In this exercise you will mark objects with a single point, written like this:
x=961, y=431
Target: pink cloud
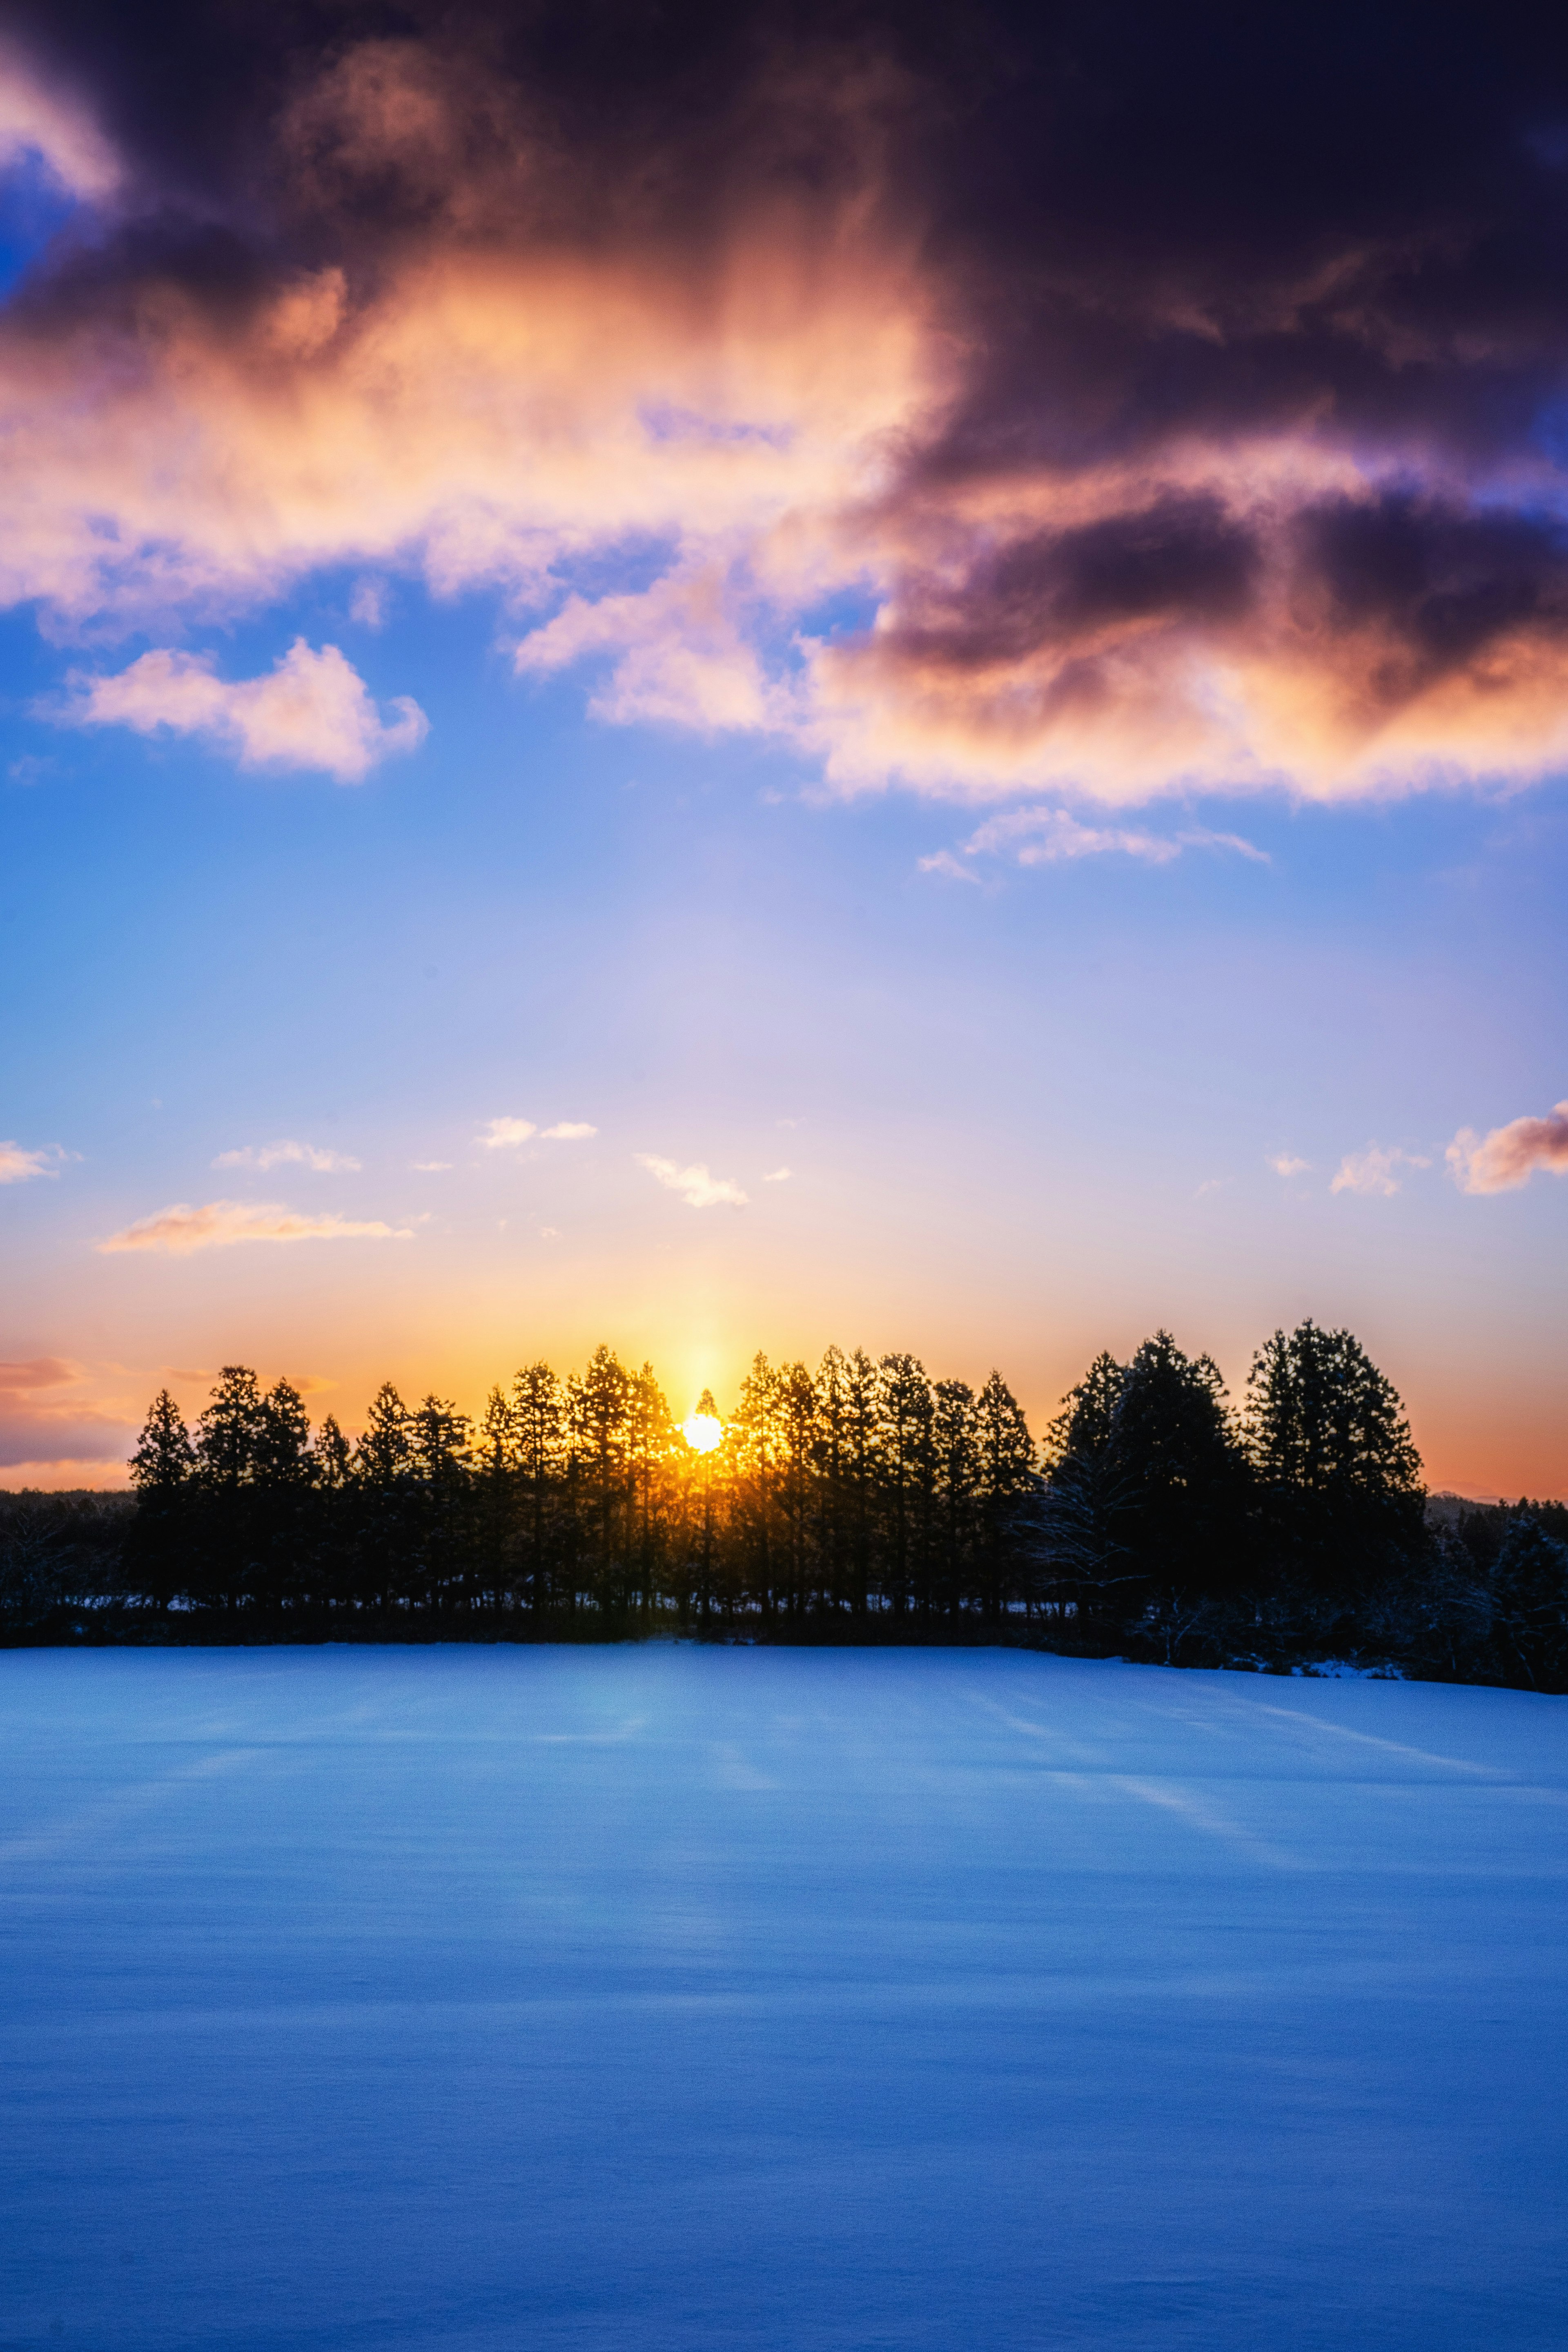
x=1509, y=1156
x=18, y=1165
x=312, y=710
x=218, y=1225
x=53, y=1430
x=39, y=118
x=1374, y=1173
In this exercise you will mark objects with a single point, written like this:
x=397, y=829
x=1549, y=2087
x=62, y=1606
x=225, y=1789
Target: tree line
x=860, y=1501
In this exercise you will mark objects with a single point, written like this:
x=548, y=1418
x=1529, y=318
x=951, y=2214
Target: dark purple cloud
x=1188, y=385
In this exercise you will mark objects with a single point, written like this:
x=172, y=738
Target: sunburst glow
x=702, y=1432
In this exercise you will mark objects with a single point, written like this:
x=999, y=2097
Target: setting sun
x=702, y=1432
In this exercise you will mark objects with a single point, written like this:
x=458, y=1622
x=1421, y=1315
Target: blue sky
x=1006, y=805
x=1023, y=1117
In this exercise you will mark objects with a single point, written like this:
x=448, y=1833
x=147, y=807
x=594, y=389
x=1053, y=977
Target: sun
x=702, y=1432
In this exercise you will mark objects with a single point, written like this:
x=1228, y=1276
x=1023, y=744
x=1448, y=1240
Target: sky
x=744, y=676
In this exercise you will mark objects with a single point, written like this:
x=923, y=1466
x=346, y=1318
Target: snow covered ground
x=673, y=1999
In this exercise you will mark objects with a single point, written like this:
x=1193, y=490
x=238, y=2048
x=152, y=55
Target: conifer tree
x=164, y=1460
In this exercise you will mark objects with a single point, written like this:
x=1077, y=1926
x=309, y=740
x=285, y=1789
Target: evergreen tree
x=165, y=1459
x=231, y=1431
x=539, y=1424
x=955, y=1440
x=906, y=1456
x=162, y=1470
x=1338, y=1477
x=1005, y=1489
x=1173, y=1439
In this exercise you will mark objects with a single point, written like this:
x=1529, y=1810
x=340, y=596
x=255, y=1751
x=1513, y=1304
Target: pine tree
x=539, y=1422
x=162, y=1471
x=229, y=1433
x=1005, y=1487
x=165, y=1459
x=1330, y=1449
x=955, y=1436
x=905, y=1453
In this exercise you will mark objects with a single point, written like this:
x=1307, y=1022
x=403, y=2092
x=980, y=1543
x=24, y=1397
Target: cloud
x=1046, y=836
x=1372, y=1171
x=778, y=1176
x=40, y=119
x=311, y=710
x=1286, y=1163
x=696, y=1187
x=18, y=1166
x=942, y=861
x=1010, y=404
x=37, y=1372
x=279, y=1155
x=219, y=1223
x=54, y=1429
x=370, y=603
x=1509, y=1156
x=431, y=1167
x=502, y=1133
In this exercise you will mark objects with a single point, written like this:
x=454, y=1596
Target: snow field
x=749, y=2000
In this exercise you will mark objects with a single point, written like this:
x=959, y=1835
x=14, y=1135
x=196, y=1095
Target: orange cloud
x=1508, y=1157
x=220, y=1224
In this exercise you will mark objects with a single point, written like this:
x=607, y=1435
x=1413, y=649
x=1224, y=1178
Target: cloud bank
x=1508, y=1157
x=218, y=1225
x=1085, y=403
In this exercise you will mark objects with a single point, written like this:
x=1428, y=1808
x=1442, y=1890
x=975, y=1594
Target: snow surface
x=553, y=1999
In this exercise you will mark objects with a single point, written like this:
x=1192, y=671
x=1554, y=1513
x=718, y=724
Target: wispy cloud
x=696, y=1187
x=501, y=1133
x=53, y=1429
x=1371, y=1172
x=287, y=1154
x=430, y=1167
x=37, y=1372
x=19, y=1166
x=1043, y=835
x=218, y=1225
x=1509, y=1156
x=312, y=710
x=778, y=1176
x=1286, y=1163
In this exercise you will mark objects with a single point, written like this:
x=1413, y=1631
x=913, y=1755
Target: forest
x=862, y=1502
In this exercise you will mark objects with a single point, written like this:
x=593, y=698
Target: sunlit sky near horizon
x=479, y=659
